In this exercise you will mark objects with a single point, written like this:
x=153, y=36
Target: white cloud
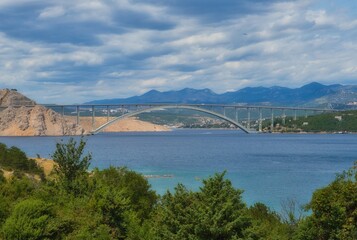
x=290, y=43
x=52, y=12
x=201, y=39
x=84, y=58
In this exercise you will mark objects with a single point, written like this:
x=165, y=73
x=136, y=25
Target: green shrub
x=71, y=165
x=334, y=210
x=15, y=159
x=31, y=219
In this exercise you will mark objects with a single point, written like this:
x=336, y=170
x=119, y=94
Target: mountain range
x=311, y=95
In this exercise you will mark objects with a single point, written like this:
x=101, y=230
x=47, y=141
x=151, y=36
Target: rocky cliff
x=13, y=98
x=20, y=116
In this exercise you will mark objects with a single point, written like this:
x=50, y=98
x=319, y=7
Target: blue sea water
x=270, y=168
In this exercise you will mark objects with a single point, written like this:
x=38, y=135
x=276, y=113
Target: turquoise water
x=270, y=168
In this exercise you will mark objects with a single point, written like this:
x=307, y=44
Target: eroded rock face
x=30, y=119
x=36, y=121
x=13, y=98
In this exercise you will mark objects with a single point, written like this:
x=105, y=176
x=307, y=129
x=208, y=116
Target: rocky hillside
x=20, y=116
x=13, y=98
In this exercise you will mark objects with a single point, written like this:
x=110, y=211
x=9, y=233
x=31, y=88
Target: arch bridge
x=249, y=119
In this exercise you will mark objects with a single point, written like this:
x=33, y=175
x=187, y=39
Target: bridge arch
x=150, y=109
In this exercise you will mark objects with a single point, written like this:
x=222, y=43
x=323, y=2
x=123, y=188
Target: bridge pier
x=260, y=120
x=248, y=120
x=283, y=117
x=272, y=120
x=77, y=109
x=62, y=111
x=93, y=117
x=236, y=114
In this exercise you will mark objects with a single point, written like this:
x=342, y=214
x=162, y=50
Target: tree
x=32, y=219
x=132, y=185
x=70, y=165
x=222, y=213
x=267, y=224
x=334, y=210
x=215, y=212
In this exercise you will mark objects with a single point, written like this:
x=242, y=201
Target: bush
x=334, y=210
x=31, y=219
x=2, y=178
x=215, y=212
x=15, y=159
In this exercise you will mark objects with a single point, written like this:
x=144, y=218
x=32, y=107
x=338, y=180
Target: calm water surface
x=269, y=167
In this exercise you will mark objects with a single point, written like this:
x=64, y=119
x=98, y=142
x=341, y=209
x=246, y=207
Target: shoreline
x=177, y=129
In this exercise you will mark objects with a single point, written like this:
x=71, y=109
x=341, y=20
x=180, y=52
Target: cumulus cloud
x=119, y=48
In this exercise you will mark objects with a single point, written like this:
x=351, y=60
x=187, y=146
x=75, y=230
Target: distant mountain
x=187, y=95
x=313, y=95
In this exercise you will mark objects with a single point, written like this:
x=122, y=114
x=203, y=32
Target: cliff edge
x=14, y=98
x=20, y=116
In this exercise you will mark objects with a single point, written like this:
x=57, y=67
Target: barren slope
x=35, y=121
x=124, y=125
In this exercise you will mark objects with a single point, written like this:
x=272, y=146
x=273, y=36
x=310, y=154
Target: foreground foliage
x=334, y=210
x=117, y=203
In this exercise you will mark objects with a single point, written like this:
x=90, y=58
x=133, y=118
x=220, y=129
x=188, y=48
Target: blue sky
x=67, y=51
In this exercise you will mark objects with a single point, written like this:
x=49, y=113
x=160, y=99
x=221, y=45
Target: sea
x=270, y=168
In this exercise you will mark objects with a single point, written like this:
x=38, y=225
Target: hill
x=335, y=122
x=310, y=95
x=22, y=117
x=345, y=121
x=13, y=98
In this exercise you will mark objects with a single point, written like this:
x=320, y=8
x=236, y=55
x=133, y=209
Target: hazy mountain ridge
x=313, y=94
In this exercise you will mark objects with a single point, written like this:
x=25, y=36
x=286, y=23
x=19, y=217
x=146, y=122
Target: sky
x=73, y=51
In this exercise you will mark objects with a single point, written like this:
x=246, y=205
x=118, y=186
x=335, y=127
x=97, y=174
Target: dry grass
x=46, y=164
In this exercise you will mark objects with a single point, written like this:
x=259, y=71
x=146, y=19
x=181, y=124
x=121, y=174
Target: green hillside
x=344, y=121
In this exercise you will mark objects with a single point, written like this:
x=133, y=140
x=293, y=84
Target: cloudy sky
x=72, y=51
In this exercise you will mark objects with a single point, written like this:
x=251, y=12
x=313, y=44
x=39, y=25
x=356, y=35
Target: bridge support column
x=93, y=116
x=283, y=117
x=272, y=121
x=248, y=120
x=77, y=109
x=260, y=120
x=236, y=114
x=224, y=111
x=62, y=111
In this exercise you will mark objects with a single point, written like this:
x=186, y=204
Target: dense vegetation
x=13, y=159
x=117, y=203
x=345, y=121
